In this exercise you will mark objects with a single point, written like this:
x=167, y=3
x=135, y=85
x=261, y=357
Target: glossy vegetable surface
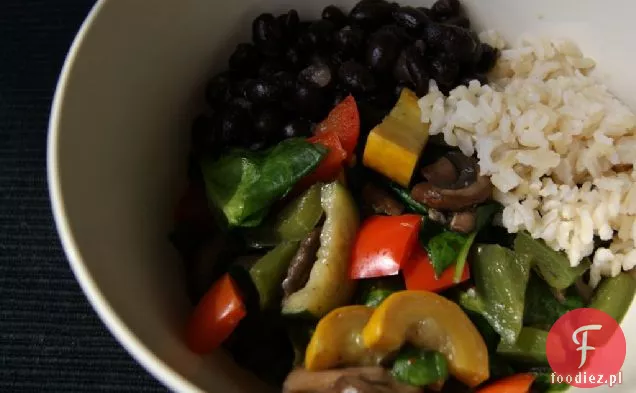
x=244, y=184
x=614, y=295
x=553, y=266
x=393, y=147
x=500, y=278
x=331, y=165
x=419, y=367
x=383, y=244
x=429, y=321
x=530, y=347
x=292, y=223
x=329, y=285
x=216, y=316
x=269, y=271
x=344, y=121
x=419, y=273
x=337, y=341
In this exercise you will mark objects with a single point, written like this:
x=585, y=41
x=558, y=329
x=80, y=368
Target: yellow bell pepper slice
x=430, y=321
x=337, y=341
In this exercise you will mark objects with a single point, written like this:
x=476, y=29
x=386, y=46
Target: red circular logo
x=586, y=348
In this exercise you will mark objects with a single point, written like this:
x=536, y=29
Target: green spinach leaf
x=419, y=367
x=244, y=184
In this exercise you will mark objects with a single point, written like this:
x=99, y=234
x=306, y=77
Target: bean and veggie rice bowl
x=385, y=200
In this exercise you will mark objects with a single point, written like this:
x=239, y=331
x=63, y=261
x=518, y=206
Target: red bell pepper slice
x=383, y=245
x=216, y=316
x=419, y=274
x=344, y=121
x=518, y=383
x=330, y=166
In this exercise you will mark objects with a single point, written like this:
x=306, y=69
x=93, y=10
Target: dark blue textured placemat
x=50, y=338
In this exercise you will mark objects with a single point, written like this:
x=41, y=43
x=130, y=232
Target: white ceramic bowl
x=119, y=130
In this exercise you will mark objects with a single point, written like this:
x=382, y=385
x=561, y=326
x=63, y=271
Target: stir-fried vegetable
x=292, y=223
x=419, y=273
x=614, y=295
x=529, y=348
x=394, y=146
x=500, y=278
x=268, y=272
x=244, y=184
x=383, y=245
x=329, y=285
x=337, y=342
x=330, y=167
x=519, y=383
x=216, y=316
x=372, y=292
x=430, y=321
x=419, y=367
x=542, y=309
x=406, y=198
x=343, y=121
x=551, y=265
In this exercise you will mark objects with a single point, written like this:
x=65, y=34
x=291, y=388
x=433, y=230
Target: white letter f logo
x=584, y=347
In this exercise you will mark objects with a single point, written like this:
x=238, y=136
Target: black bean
x=217, y=89
x=349, y=39
x=446, y=8
x=425, y=11
x=400, y=70
x=203, y=136
x=420, y=46
x=444, y=70
x=382, y=50
x=237, y=89
x=459, y=20
x=398, y=31
x=285, y=80
x=233, y=125
x=320, y=34
x=356, y=77
x=318, y=75
x=294, y=57
x=410, y=18
x=268, y=123
x=434, y=34
x=488, y=59
x=297, y=128
x=262, y=91
x=241, y=102
x=267, y=34
x=289, y=24
x=371, y=14
x=456, y=42
x=309, y=101
x=270, y=67
x=244, y=59
x=410, y=69
x=334, y=15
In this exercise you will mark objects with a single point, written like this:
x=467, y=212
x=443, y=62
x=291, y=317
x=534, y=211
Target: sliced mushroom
x=380, y=201
x=463, y=221
x=437, y=216
x=349, y=380
x=467, y=190
x=442, y=172
x=301, y=264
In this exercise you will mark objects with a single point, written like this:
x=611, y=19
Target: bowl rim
x=109, y=317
